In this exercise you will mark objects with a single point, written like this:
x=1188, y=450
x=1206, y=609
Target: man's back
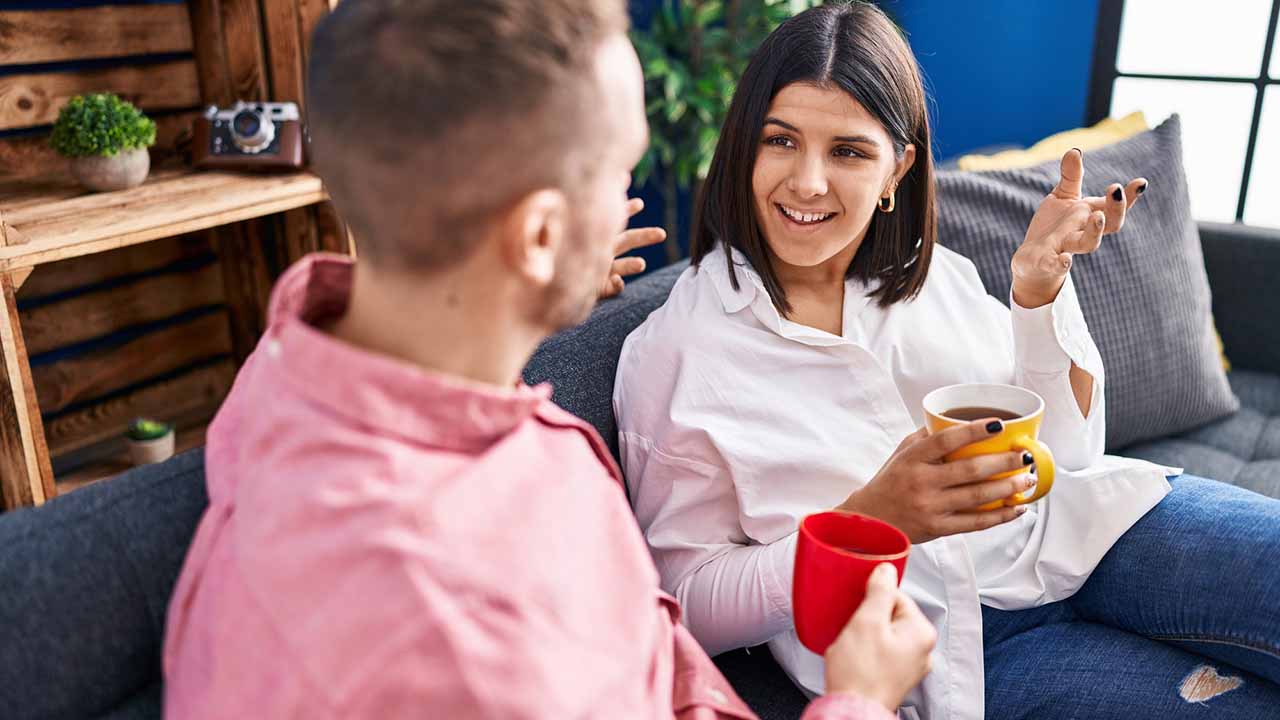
x=381, y=540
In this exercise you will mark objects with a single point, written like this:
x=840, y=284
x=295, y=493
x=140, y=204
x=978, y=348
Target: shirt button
x=273, y=348
x=717, y=696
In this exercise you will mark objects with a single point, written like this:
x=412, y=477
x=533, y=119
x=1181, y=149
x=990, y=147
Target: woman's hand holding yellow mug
x=926, y=497
x=1066, y=224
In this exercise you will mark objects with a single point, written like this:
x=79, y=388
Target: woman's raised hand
x=924, y=496
x=1066, y=224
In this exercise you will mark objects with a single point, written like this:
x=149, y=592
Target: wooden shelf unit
x=55, y=221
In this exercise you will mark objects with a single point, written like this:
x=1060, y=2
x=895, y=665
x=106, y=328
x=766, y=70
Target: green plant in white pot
x=106, y=139
x=150, y=441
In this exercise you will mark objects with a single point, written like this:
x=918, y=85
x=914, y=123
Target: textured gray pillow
x=1144, y=292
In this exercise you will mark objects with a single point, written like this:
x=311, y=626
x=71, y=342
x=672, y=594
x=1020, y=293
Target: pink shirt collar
x=396, y=397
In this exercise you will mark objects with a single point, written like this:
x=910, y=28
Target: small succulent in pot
x=150, y=441
x=106, y=139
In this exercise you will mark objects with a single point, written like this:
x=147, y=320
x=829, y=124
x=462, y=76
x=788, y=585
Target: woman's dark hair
x=853, y=47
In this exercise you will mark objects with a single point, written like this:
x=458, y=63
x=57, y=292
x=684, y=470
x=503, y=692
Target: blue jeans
x=1180, y=620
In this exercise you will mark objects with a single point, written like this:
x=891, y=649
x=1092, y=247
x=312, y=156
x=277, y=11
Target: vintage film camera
x=248, y=135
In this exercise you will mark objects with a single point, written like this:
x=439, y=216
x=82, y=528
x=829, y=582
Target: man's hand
x=884, y=649
x=629, y=240
x=1066, y=224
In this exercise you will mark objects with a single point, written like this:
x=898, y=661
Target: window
x=1218, y=66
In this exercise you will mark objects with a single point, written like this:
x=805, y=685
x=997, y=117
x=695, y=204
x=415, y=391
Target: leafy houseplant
x=150, y=441
x=106, y=139
x=693, y=54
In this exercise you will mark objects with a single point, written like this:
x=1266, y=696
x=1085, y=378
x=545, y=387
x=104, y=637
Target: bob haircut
x=855, y=48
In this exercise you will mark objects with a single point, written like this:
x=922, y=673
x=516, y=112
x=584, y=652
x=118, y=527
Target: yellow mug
x=959, y=404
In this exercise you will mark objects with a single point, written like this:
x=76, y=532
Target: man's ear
x=532, y=235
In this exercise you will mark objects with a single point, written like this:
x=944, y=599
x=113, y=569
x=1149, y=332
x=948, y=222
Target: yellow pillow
x=1053, y=147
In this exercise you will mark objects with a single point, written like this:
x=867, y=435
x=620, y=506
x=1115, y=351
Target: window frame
x=1103, y=76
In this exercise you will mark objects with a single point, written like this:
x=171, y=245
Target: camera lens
x=246, y=124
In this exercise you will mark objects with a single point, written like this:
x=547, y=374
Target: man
x=397, y=526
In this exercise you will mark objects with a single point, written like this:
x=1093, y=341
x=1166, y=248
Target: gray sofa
x=87, y=577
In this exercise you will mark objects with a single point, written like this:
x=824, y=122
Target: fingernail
x=887, y=571
x=1079, y=151
x=1118, y=194
x=1027, y=458
x=1029, y=483
x=1142, y=188
x=995, y=426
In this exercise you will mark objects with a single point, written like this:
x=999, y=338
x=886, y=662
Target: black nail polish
x=995, y=426
x=1028, y=458
x=1142, y=188
x=1079, y=151
x=1118, y=194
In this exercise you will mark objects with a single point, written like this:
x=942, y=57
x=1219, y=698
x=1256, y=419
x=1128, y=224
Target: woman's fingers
x=1134, y=190
x=964, y=522
x=628, y=266
x=1071, y=176
x=933, y=448
x=1084, y=239
x=975, y=495
x=981, y=467
x=634, y=205
x=638, y=237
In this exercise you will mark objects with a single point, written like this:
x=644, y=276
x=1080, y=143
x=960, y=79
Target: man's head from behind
x=498, y=132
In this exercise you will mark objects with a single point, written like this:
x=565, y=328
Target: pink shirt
x=382, y=542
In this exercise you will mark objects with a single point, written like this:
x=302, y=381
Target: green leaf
x=708, y=12
x=100, y=124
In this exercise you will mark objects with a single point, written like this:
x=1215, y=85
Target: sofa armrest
x=1243, y=263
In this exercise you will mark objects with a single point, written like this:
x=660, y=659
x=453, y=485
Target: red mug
x=835, y=555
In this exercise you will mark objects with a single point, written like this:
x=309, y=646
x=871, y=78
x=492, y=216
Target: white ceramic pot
x=119, y=172
x=145, y=452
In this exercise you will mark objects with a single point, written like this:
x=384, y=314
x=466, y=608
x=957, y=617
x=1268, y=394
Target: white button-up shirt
x=736, y=422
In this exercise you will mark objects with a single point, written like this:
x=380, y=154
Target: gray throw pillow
x=1145, y=293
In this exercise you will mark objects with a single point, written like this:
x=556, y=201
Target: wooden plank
x=40, y=36
x=103, y=267
x=242, y=34
x=30, y=157
x=284, y=49
x=247, y=279
x=199, y=391
x=211, y=52
x=170, y=205
x=26, y=477
x=97, y=314
x=29, y=100
x=66, y=382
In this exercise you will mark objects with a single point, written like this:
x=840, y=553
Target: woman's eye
x=847, y=152
x=779, y=141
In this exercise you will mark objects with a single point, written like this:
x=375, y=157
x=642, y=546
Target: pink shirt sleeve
x=846, y=706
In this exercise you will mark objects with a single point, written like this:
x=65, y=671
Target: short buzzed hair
x=428, y=116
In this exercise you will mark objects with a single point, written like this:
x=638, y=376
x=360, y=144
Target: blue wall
x=1001, y=71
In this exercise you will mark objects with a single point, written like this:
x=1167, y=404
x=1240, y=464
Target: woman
x=785, y=375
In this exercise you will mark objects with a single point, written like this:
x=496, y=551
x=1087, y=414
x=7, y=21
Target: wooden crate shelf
x=46, y=222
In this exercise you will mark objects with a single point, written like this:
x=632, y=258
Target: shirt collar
x=716, y=263
x=752, y=293
x=372, y=390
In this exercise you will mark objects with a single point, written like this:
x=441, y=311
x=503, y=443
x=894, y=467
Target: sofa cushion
x=581, y=362
x=1243, y=449
x=1145, y=293
x=90, y=575
x=762, y=684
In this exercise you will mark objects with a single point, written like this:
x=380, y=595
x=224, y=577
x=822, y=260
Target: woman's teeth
x=803, y=217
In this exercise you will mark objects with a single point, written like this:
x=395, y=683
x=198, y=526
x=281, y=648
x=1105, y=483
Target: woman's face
x=823, y=164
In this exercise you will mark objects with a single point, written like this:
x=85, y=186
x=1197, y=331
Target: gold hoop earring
x=887, y=203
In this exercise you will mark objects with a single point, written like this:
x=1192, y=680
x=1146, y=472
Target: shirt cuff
x=846, y=706
x=780, y=572
x=1049, y=338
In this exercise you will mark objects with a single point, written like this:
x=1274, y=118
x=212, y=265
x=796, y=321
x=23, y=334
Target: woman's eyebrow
x=839, y=138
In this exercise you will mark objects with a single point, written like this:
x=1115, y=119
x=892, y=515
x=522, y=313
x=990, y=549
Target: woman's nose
x=808, y=177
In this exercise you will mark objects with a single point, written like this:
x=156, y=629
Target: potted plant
x=106, y=139
x=693, y=53
x=150, y=441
